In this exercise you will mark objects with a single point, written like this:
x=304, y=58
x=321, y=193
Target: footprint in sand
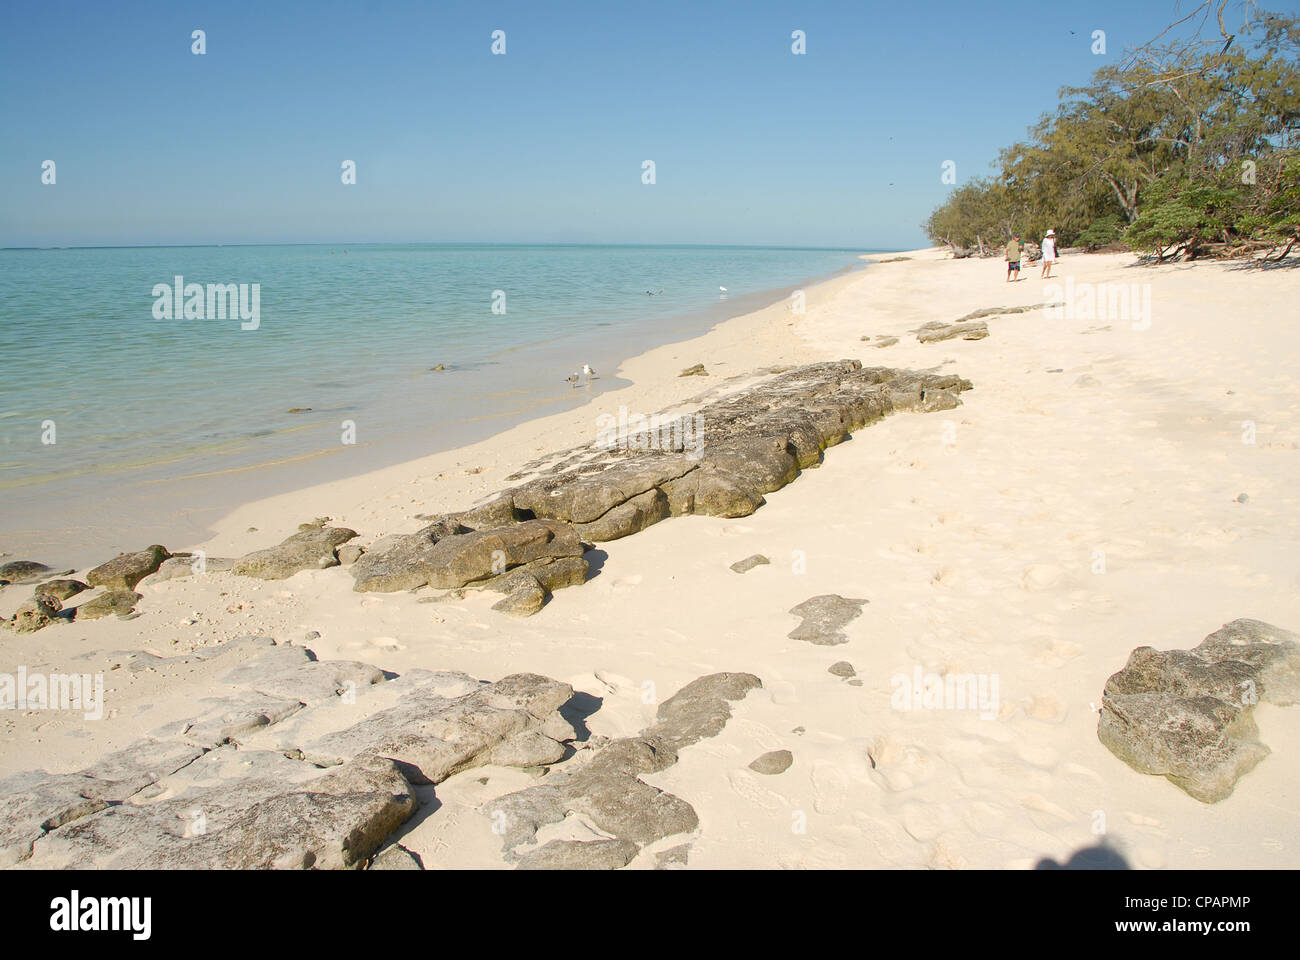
x=925, y=821
x=746, y=785
x=1041, y=576
x=830, y=787
x=736, y=529
x=1045, y=708
x=386, y=643
x=628, y=582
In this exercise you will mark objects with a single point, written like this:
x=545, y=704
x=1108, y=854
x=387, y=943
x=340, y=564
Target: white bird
x=588, y=372
x=723, y=289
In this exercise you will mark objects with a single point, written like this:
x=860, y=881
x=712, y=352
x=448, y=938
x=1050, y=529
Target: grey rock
x=34, y=802
x=607, y=791
x=445, y=559
x=525, y=599
x=293, y=673
x=35, y=614
x=824, y=618
x=842, y=668
x=308, y=549
x=119, y=602
x=695, y=371
x=395, y=857
x=60, y=589
x=1187, y=715
x=335, y=821
x=226, y=719
x=24, y=571
x=951, y=331
x=186, y=565
x=885, y=342
x=402, y=563
x=701, y=708
x=749, y=563
x=124, y=571
x=997, y=311
x=772, y=763
x=580, y=855
x=432, y=736
x=349, y=554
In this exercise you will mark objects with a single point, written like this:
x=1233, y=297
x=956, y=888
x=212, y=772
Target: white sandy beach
x=1082, y=501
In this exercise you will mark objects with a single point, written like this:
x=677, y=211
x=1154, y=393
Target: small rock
x=349, y=554
x=842, y=668
x=120, y=602
x=60, y=589
x=1242, y=498
x=749, y=563
x=773, y=762
x=823, y=618
x=695, y=371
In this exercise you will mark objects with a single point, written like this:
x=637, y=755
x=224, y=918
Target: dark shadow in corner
x=595, y=558
x=1101, y=857
x=577, y=709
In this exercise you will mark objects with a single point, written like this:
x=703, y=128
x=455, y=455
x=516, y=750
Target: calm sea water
x=136, y=403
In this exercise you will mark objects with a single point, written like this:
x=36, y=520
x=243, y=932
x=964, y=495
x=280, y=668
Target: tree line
x=1187, y=148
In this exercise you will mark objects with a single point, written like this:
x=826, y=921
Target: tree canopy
x=1188, y=147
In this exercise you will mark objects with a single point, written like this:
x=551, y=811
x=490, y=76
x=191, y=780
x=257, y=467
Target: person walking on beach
x=1013, y=259
x=1049, y=253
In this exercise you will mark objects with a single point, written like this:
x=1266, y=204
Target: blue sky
x=752, y=144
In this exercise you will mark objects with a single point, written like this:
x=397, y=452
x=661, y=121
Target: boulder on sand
x=309, y=549
x=1188, y=715
x=124, y=571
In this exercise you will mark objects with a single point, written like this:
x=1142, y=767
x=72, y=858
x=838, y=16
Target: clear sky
x=841, y=146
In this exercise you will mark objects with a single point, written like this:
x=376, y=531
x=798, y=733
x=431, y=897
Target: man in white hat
x=1049, y=253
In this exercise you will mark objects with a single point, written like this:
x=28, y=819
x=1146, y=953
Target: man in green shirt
x=1013, y=259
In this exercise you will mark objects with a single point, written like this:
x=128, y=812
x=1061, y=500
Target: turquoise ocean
x=121, y=425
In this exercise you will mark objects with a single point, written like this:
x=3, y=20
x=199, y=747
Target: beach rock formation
x=239, y=786
x=824, y=618
x=519, y=560
x=1187, y=715
x=312, y=548
x=934, y=332
x=694, y=371
x=744, y=446
x=124, y=571
x=606, y=791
